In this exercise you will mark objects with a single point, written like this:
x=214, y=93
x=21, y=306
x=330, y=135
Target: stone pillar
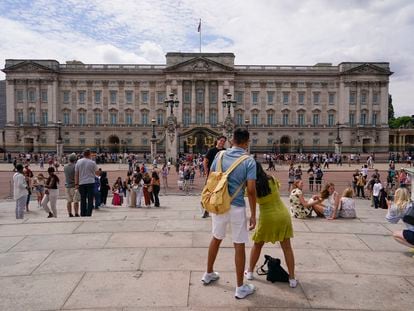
x=193, y=102
x=10, y=102
x=179, y=110
x=219, y=105
x=207, y=102
x=38, y=111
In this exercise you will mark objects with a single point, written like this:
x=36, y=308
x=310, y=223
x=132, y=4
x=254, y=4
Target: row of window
x=31, y=96
x=239, y=118
x=239, y=97
x=145, y=141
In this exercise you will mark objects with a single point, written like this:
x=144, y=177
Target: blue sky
x=281, y=32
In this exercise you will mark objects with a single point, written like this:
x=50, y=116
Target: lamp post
x=153, y=141
x=246, y=123
x=59, y=141
x=338, y=142
x=171, y=102
x=171, y=135
x=228, y=103
x=228, y=125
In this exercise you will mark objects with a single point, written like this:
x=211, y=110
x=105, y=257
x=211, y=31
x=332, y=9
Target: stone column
x=53, y=101
x=38, y=102
x=219, y=105
x=193, y=102
x=137, y=112
x=207, y=102
x=10, y=101
x=179, y=110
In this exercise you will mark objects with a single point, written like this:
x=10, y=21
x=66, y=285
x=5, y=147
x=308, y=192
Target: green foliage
x=404, y=121
x=390, y=108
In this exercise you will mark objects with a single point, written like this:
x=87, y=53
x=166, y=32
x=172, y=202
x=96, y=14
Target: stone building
x=110, y=107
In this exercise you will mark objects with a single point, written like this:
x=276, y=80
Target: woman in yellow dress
x=275, y=224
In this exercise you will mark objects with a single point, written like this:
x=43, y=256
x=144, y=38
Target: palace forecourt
x=153, y=259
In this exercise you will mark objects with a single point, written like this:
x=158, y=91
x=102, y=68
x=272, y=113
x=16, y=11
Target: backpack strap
x=231, y=168
x=261, y=270
x=236, y=163
x=219, y=158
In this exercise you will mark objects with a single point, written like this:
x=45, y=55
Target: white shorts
x=70, y=195
x=238, y=220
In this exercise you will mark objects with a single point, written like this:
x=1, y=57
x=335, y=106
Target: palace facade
x=113, y=107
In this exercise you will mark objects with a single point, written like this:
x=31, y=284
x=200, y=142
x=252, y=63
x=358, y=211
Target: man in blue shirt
x=245, y=173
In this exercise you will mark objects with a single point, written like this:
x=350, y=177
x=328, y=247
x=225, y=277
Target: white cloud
x=258, y=32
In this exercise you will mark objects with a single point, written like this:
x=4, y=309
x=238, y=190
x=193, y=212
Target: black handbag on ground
x=274, y=272
x=409, y=216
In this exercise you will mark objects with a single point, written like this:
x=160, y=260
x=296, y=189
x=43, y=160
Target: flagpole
x=200, y=34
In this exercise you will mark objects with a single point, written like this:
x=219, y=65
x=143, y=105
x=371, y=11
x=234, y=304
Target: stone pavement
x=153, y=259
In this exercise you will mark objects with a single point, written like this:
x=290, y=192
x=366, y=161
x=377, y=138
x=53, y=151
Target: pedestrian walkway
x=153, y=259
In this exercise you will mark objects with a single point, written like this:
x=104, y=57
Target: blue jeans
x=86, y=192
x=98, y=200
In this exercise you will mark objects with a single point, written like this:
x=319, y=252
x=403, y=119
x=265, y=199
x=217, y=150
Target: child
x=116, y=199
x=347, y=204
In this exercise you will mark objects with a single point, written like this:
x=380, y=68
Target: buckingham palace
x=123, y=107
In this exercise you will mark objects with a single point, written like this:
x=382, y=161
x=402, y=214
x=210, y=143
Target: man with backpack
x=209, y=158
x=243, y=173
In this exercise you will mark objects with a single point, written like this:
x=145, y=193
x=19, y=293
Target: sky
x=258, y=32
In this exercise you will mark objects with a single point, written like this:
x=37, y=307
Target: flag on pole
x=199, y=26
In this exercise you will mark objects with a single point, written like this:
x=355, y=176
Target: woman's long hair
x=401, y=198
x=262, y=182
x=325, y=191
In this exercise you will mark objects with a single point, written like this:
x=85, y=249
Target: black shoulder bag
x=274, y=272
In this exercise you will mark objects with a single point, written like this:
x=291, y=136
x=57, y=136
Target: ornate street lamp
x=171, y=102
x=228, y=103
x=154, y=140
x=59, y=141
x=338, y=141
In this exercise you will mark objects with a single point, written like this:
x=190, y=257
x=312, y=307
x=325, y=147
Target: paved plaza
x=153, y=259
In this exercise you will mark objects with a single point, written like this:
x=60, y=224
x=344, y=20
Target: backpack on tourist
x=215, y=197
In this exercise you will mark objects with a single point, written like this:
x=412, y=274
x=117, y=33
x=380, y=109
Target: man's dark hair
x=19, y=167
x=241, y=136
x=86, y=152
x=220, y=137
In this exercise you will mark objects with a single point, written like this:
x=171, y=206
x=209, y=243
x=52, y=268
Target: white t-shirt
x=376, y=189
x=19, y=186
x=87, y=169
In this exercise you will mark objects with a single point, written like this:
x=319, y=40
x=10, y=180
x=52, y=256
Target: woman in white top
x=396, y=211
x=346, y=205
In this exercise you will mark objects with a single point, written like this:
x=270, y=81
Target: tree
x=404, y=121
x=390, y=108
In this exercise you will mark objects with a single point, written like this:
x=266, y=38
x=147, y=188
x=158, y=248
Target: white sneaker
x=249, y=275
x=293, y=283
x=244, y=291
x=210, y=277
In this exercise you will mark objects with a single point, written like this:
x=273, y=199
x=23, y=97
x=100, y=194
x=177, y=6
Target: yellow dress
x=274, y=223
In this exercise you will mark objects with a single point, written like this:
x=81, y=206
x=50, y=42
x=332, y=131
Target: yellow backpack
x=215, y=197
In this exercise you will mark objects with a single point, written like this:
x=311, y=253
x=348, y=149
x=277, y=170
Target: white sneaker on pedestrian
x=210, y=277
x=293, y=283
x=249, y=275
x=244, y=291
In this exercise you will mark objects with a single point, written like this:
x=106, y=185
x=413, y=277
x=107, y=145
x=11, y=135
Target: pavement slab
x=128, y=289
x=192, y=259
x=36, y=292
x=343, y=226
x=382, y=243
x=150, y=239
x=91, y=260
x=221, y=294
x=62, y=241
x=8, y=242
x=36, y=229
x=22, y=263
x=357, y=292
x=117, y=226
x=379, y=263
x=327, y=241
x=124, y=259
